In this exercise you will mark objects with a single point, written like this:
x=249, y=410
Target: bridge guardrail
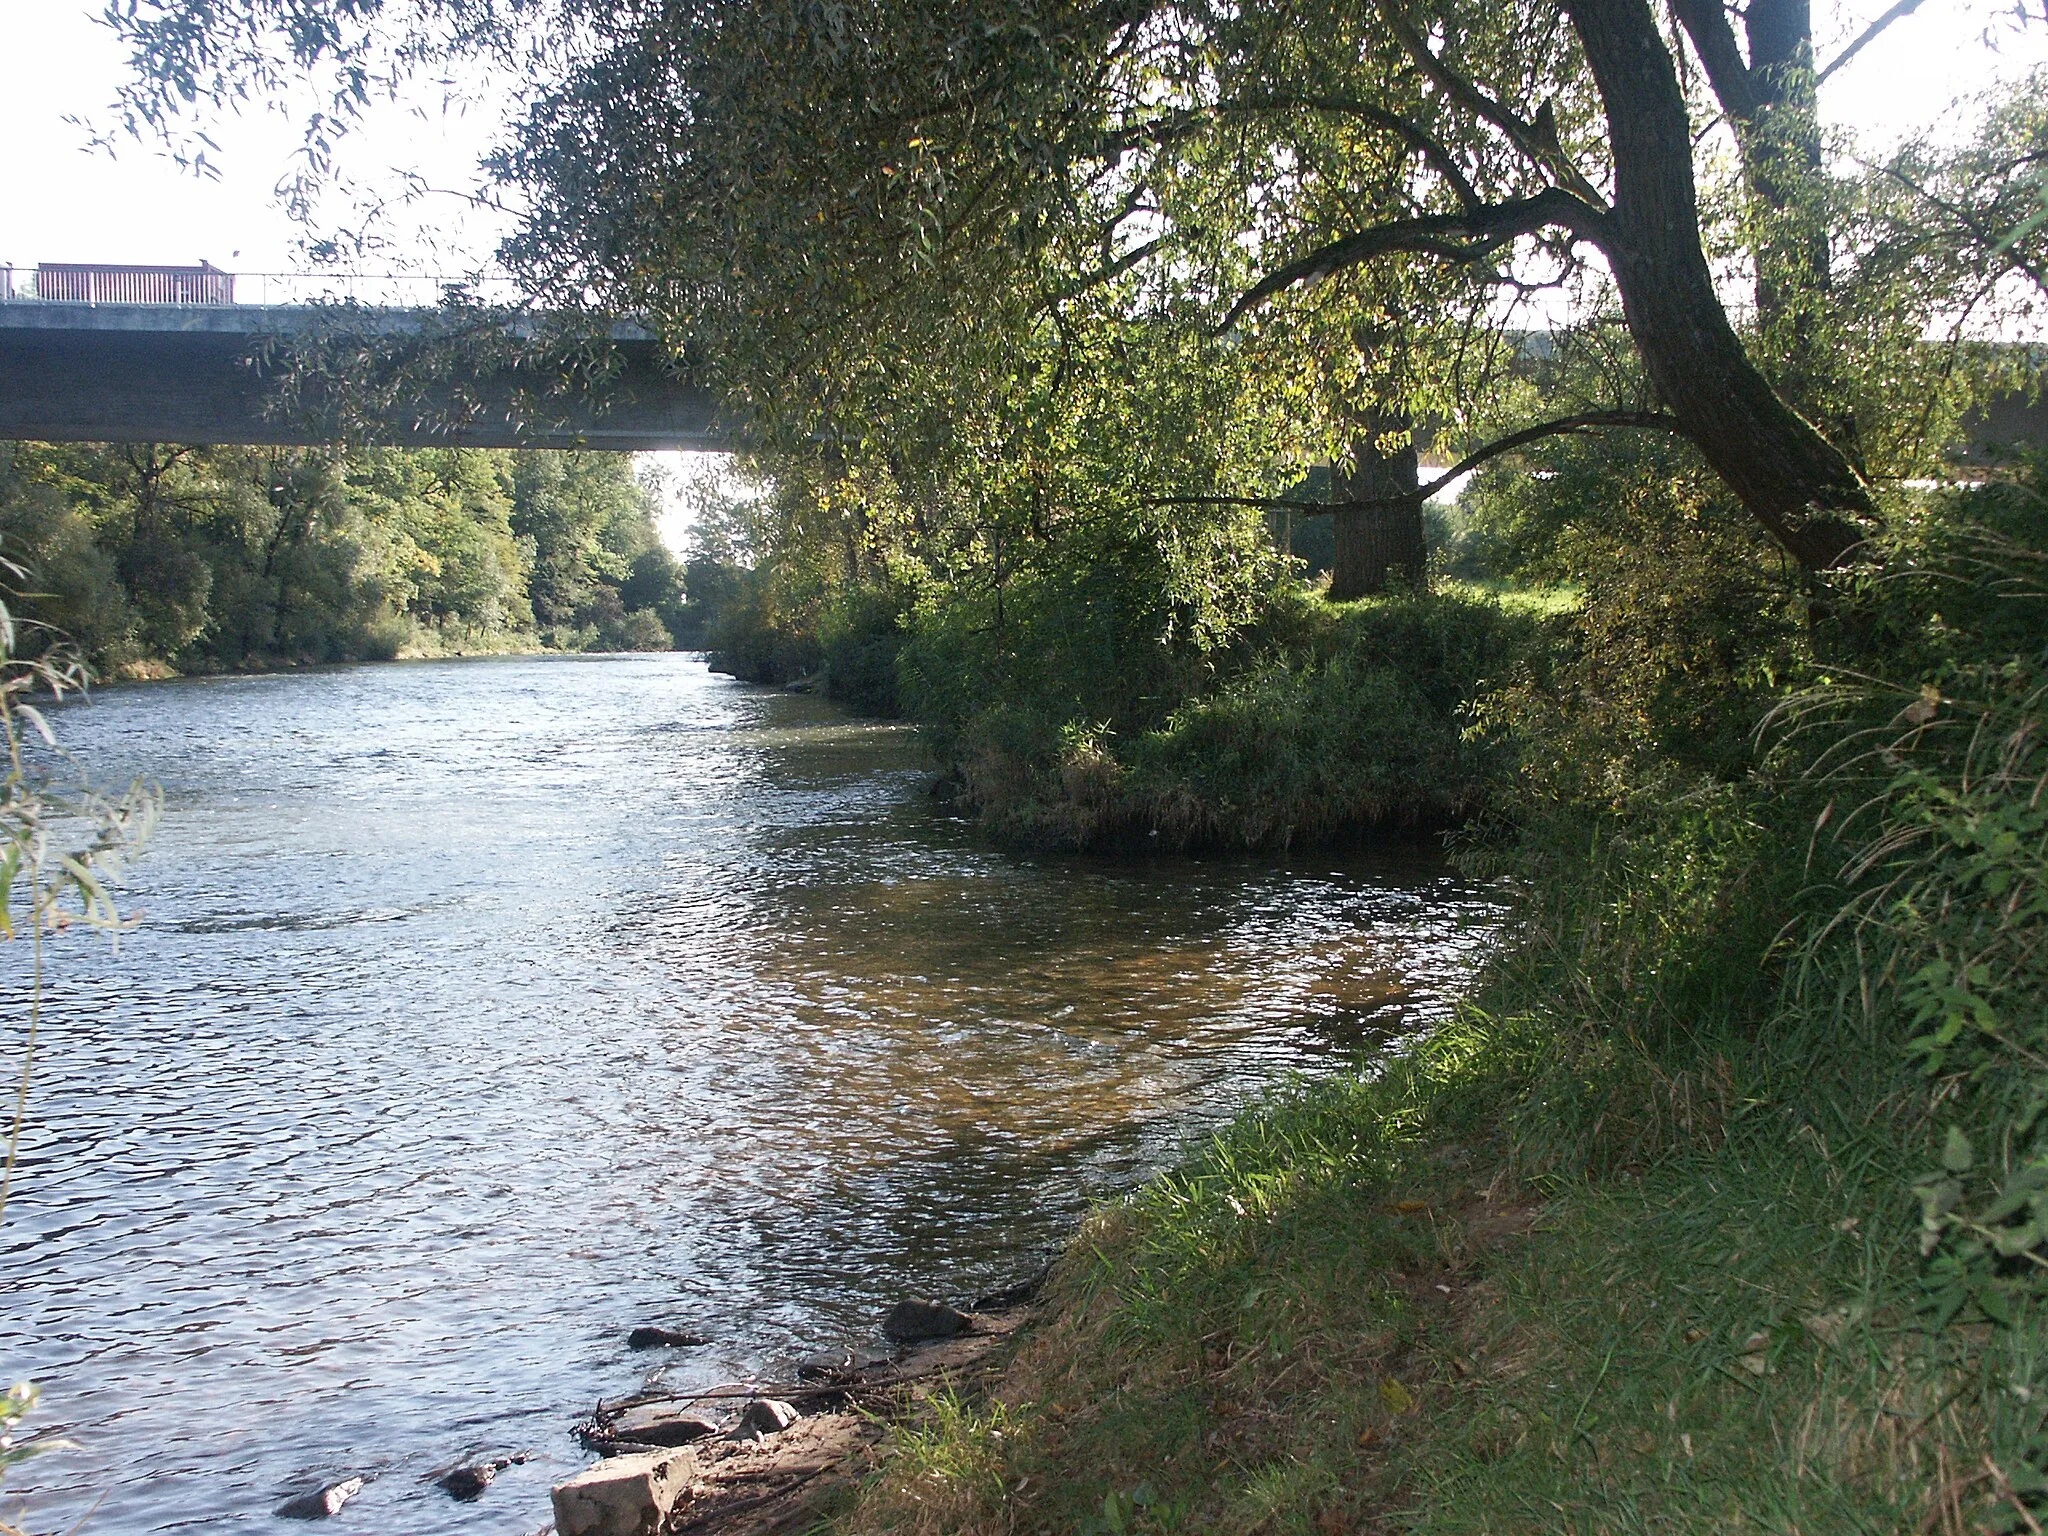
x=396, y=290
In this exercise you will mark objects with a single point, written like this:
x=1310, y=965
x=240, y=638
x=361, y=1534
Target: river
x=481, y=1010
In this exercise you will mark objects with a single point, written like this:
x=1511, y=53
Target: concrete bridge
x=211, y=372
x=216, y=373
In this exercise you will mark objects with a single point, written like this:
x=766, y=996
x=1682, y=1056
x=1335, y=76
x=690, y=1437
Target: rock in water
x=467, y=1483
x=912, y=1322
x=769, y=1416
x=623, y=1495
x=321, y=1502
x=660, y=1424
x=647, y=1336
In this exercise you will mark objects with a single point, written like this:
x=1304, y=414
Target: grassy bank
x=1722, y=1205
x=1366, y=1307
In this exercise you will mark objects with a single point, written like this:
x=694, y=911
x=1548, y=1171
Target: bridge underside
x=146, y=373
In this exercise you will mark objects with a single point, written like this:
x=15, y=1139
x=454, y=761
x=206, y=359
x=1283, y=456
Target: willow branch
x=1869, y=35
x=1110, y=271
x=1537, y=139
x=1432, y=149
x=1989, y=238
x=1563, y=426
x=1454, y=237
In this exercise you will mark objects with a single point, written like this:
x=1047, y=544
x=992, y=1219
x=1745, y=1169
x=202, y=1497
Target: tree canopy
x=870, y=220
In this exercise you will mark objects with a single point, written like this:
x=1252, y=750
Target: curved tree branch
x=1869, y=35
x=1563, y=426
x=1537, y=140
x=1456, y=237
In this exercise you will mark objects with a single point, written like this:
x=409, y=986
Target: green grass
x=1543, y=602
x=1361, y=1308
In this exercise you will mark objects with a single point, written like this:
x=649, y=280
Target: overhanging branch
x=1159, y=132
x=1537, y=139
x=1869, y=35
x=1455, y=237
x=1563, y=426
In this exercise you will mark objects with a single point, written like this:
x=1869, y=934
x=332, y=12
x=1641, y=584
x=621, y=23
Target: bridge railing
x=399, y=290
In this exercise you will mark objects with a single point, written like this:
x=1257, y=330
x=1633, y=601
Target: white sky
x=60, y=201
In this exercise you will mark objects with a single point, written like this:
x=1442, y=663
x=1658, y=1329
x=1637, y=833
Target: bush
x=1373, y=732
x=1330, y=723
x=755, y=639
x=862, y=640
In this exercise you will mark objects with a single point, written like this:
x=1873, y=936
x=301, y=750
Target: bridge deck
x=134, y=373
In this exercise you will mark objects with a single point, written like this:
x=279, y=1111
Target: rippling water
x=482, y=1010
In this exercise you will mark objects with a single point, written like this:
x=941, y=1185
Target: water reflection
x=485, y=1009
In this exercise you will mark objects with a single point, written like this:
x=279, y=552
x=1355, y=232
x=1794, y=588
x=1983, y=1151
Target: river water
x=481, y=1010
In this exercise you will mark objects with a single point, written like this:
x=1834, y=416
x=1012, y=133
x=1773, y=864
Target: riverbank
x=155, y=671
x=1379, y=1306
x=1720, y=1204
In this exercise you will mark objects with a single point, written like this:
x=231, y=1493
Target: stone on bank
x=624, y=1495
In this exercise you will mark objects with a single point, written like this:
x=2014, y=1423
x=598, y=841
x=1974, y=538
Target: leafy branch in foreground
x=63, y=845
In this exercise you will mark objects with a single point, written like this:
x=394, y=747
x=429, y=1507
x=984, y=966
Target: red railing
x=75, y=283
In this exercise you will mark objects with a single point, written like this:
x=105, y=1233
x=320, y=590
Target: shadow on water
x=483, y=1010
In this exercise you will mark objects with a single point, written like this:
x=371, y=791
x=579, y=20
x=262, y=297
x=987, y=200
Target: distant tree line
x=209, y=558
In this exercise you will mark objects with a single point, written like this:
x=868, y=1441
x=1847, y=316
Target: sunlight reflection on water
x=484, y=1009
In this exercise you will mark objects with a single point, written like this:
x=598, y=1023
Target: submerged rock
x=768, y=1416
x=321, y=1502
x=660, y=1424
x=468, y=1483
x=914, y=1321
x=648, y=1336
x=623, y=1495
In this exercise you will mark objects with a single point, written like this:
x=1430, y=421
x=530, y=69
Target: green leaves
x=1956, y=1152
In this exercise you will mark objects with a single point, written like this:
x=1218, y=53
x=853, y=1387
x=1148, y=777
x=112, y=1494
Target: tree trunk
x=1781, y=148
x=1790, y=478
x=1379, y=547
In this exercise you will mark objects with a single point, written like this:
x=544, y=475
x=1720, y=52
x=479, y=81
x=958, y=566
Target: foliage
x=871, y=226
x=1358, y=724
x=63, y=843
x=1716, y=1206
x=208, y=558
x=1936, y=838
x=16, y=1404
x=63, y=846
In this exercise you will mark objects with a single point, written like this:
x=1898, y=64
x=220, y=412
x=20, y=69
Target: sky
x=62, y=200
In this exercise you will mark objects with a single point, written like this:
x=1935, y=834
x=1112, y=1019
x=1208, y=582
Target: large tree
x=836, y=202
